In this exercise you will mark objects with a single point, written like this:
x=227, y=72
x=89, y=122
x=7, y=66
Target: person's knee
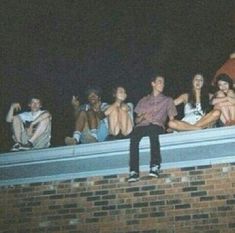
x=216, y=113
x=172, y=124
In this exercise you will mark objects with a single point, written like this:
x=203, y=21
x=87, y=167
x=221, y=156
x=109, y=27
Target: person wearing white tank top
x=196, y=108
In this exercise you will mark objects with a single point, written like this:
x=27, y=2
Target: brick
x=189, y=189
x=150, y=187
x=153, y=203
x=157, y=192
x=109, y=197
x=92, y=220
x=132, y=222
x=94, y=198
x=101, y=203
x=100, y=182
x=86, y=194
x=143, y=204
x=124, y=206
x=182, y=218
x=199, y=216
x=133, y=189
x=140, y=194
x=195, y=183
x=184, y=206
x=101, y=192
x=198, y=194
x=100, y=214
x=110, y=207
x=230, y=202
x=157, y=214
x=207, y=198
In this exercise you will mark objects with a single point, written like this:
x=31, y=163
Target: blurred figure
x=31, y=129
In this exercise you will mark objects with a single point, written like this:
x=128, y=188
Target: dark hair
x=225, y=78
x=114, y=90
x=96, y=90
x=153, y=78
x=34, y=97
x=204, y=95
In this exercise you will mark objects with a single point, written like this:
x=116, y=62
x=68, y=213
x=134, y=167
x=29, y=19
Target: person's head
x=93, y=95
x=197, y=81
x=34, y=104
x=119, y=93
x=224, y=82
x=158, y=83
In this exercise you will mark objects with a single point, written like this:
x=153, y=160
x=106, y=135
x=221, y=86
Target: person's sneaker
x=16, y=147
x=154, y=171
x=70, y=141
x=133, y=176
x=27, y=146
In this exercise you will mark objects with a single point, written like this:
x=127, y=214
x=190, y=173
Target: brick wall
x=193, y=199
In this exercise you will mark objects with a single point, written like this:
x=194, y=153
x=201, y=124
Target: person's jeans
x=152, y=131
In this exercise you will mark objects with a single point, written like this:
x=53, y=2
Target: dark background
x=57, y=48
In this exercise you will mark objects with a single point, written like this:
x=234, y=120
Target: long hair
x=204, y=97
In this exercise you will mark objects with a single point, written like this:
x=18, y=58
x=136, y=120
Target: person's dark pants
x=152, y=131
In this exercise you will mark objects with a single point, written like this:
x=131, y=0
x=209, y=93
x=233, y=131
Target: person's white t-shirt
x=30, y=116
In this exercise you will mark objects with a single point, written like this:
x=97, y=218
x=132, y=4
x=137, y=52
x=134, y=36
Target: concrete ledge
x=183, y=149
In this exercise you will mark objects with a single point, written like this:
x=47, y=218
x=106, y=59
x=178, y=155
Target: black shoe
x=27, y=146
x=133, y=176
x=16, y=147
x=154, y=171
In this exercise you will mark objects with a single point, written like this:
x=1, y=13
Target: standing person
x=90, y=121
x=224, y=100
x=152, y=112
x=119, y=115
x=31, y=129
x=196, y=108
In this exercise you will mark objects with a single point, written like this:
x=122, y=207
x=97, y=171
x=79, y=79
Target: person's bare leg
x=40, y=129
x=17, y=128
x=113, y=119
x=209, y=119
x=182, y=126
x=93, y=120
x=81, y=121
x=125, y=121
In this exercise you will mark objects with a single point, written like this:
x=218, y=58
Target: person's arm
x=231, y=97
x=181, y=99
x=140, y=117
x=14, y=107
x=110, y=109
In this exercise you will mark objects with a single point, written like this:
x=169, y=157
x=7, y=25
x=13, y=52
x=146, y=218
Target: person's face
x=121, y=94
x=198, y=81
x=223, y=86
x=93, y=98
x=158, y=84
x=35, y=105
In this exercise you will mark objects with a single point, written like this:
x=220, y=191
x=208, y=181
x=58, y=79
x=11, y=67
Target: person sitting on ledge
x=90, y=121
x=224, y=100
x=31, y=129
x=152, y=112
x=196, y=108
x=119, y=115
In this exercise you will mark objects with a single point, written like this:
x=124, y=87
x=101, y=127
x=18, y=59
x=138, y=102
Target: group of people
x=155, y=114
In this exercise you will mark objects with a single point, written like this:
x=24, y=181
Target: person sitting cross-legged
x=31, y=129
x=90, y=122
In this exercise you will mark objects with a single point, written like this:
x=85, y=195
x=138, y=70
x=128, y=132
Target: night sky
x=56, y=49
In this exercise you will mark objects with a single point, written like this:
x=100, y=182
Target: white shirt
x=30, y=116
